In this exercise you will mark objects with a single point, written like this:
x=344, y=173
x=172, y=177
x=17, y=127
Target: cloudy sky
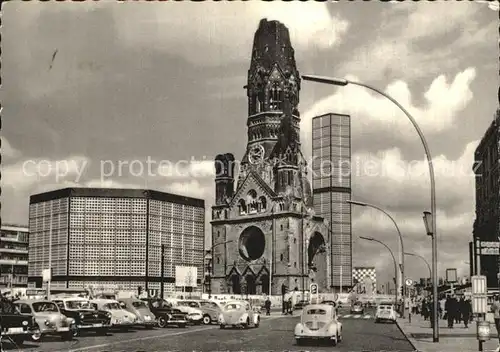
x=87, y=86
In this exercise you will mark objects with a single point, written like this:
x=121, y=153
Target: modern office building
x=112, y=238
x=331, y=175
x=13, y=256
x=264, y=237
x=486, y=230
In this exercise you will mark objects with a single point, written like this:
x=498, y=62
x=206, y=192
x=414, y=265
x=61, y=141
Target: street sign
x=409, y=282
x=46, y=275
x=451, y=275
x=479, y=304
x=479, y=285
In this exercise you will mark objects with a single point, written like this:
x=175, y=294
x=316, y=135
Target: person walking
x=425, y=309
x=268, y=306
x=466, y=309
x=450, y=311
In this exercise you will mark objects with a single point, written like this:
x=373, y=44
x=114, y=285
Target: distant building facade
x=14, y=256
x=331, y=165
x=486, y=229
x=112, y=238
x=265, y=237
x=365, y=280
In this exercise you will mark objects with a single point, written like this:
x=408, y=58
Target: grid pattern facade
x=359, y=274
x=14, y=256
x=331, y=189
x=48, y=227
x=114, y=242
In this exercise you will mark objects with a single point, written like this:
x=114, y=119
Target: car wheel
x=162, y=322
x=206, y=319
x=247, y=324
x=258, y=322
x=334, y=342
x=18, y=340
x=222, y=326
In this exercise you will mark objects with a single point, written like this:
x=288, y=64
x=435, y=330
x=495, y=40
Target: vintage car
x=210, y=310
x=238, y=314
x=385, y=312
x=141, y=310
x=318, y=322
x=120, y=318
x=49, y=319
x=15, y=326
x=300, y=304
x=84, y=314
x=165, y=313
x=194, y=315
x=357, y=308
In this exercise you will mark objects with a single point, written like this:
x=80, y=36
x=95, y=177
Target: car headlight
x=81, y=315
x=25, y=323
x=221, y=318
x=47, y=323
x=108, y=314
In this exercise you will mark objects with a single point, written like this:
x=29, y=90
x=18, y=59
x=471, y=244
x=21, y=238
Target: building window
x=281, y=227
x=281, y=257
x=218, y=260
x=294, y=264
x=294, y=240
x=242, y=206
x=263, y=203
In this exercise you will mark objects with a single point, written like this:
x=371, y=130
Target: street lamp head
x=362, y=204
x=428, y=222
x=327, y=80
x=367, y=238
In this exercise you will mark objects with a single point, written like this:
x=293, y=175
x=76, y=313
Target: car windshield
x=189, y=304
x=139, y=304
x=385, y=307
x=113, y=306
x=316, y=311
x=208, y=304
x=44, y=307
x=233, y=306
x=78, y=304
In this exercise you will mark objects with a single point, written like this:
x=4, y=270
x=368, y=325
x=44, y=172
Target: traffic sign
x=479, y=304
x=479, y=285
x=409, y=282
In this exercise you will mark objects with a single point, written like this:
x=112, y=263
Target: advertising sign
x=451, y=275
x=185, y=276
x=479, y=285
x=490, y=248
x=46, y=275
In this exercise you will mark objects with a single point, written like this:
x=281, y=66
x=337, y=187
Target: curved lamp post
x=432, y=230
x=393, y=258
x=425, y=261
x=401, y=256
x=208, y=258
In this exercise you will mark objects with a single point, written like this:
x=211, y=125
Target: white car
x=385, y=312
x=318, y=322
x=194, y=315
x=120, y=318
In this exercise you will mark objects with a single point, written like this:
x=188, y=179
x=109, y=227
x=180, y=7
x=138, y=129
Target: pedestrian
x=442, y=303
x=466, y=309
x=285, y=306
x=290, y=306
x=425, y=309
x=430, y=308
x=268, y=306
x=451, y=310
x=496, y=315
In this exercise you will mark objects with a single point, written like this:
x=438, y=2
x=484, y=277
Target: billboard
x=185, y=276
x=490, y=248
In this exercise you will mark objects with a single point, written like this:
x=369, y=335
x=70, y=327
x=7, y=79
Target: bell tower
x=273, y=82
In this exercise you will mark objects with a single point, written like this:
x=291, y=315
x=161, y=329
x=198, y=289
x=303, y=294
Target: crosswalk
x=355, y=316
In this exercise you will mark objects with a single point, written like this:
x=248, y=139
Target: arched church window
x=242, y=206
x=218, y=260
x=281, y=227
x=263, y=203
x=281, y=257
x=294, y=240
x=294, y=264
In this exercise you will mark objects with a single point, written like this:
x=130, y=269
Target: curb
x=411, y=340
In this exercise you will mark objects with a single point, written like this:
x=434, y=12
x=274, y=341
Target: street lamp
x=428, y=223
x=208, y=258
x=425, y=261
x=393, y=258
x=344, y=82
x=401, y=256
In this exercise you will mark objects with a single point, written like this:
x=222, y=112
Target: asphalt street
x=274, y=333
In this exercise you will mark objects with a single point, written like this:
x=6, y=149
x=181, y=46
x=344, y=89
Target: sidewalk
x=419, y=333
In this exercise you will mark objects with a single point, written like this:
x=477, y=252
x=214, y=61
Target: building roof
x=490, y=132
x=116, y=193
x=13, y=227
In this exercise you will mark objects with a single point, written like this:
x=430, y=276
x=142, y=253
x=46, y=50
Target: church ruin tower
x=264, y=236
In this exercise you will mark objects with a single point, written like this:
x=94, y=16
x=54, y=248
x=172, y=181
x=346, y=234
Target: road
x=275, y=333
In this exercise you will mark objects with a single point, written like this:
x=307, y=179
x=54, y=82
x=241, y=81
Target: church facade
x=264, y=232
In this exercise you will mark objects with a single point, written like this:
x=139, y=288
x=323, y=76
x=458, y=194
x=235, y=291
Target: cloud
x=373, y=112
x=224, y=33
x=8, y=151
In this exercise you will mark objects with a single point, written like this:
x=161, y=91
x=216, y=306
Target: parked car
x=120, y=318
x=85, y=316
x=49, y=319
x=238, y=313
x=385, y=312
x=165, y=313
x=300, y=304
x=194, y=315
x=141, y=310
x=357, y=308
x=210, y=311
x=318, y=322
x=15, y=326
